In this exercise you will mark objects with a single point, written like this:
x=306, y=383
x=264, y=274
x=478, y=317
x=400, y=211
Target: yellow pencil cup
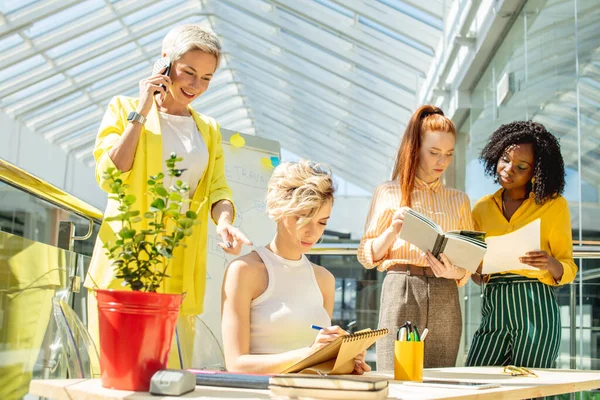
x=408, y=361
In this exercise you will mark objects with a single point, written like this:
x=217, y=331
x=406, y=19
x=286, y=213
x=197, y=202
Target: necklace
x=522, y=199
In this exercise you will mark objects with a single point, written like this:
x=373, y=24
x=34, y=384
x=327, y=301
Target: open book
x=337, y=358
x=463, y=248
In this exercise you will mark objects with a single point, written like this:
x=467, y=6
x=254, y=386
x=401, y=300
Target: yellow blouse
x=449, y=208
x=556, y=236
x=187, y=271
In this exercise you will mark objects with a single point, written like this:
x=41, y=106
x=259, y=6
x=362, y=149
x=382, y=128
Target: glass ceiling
x=331, y=80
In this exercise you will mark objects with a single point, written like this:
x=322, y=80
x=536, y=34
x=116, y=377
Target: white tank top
x=280, y=318
x=180, y=135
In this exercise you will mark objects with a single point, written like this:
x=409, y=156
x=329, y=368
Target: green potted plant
x=136, y=326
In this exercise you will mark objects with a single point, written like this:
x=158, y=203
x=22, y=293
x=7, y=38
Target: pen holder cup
x=408, y=361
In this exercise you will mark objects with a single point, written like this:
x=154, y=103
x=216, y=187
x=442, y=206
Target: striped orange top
x=449, y=208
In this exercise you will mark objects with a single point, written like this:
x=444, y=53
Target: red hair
x=427, y=118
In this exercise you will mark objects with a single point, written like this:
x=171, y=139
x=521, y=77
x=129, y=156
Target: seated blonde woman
x=272, y=296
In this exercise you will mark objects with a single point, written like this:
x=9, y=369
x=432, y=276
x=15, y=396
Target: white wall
x=31, y=152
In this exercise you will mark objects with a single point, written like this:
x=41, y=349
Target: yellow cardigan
x=556, y=237
x=187, y=272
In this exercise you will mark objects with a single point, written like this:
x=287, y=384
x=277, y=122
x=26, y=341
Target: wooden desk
x=550, y=382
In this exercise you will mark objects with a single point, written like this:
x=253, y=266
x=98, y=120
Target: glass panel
x=31, y=274
x=588, y=32
x=63, y=18
x=85, y=39
x=539, y=56
x=44, y=86
x=9, y=42
x=23, y=67
x=414, y=13
x=357, y=294
x=24, y=215
x=336, y=7
x=588, y=317
x=10, y=6
x=394, y=35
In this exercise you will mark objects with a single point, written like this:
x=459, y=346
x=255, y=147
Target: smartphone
x=453, y=384
x=159, y=65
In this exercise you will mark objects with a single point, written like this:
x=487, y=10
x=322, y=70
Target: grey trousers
x=428, y=303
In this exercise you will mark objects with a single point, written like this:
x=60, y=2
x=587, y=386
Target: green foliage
x=141, y=257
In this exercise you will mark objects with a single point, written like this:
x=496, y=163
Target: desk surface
x=549, y=382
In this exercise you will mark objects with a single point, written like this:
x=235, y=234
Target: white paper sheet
x=503, y=252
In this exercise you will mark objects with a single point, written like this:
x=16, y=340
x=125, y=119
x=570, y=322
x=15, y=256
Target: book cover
x=296, y=392
x=337, y=358
x=463, y=248
x=230, y=379
x=330, y=382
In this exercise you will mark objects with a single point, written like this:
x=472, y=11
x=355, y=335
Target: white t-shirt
x=180, y=135
x=281, y=317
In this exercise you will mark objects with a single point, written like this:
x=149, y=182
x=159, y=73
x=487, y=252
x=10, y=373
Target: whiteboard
x=248, y=179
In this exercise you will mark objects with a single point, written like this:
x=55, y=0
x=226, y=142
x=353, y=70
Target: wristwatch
x=136, y=117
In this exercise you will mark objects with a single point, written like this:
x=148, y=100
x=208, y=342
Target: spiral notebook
x=337, y=358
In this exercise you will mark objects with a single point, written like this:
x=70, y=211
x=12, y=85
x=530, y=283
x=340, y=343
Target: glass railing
x=46, y=240
x=33, y=342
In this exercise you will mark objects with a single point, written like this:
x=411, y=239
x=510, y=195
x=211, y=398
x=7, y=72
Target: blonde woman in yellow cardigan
x=136, y=136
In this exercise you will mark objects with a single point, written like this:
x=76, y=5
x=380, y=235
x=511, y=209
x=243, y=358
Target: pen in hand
x=317, y=327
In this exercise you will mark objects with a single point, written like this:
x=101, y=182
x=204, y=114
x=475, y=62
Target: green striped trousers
x=520, y=324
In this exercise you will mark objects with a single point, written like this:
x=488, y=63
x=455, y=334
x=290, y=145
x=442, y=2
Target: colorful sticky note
x=275, y=161
x=266, y=162
x=237, y=140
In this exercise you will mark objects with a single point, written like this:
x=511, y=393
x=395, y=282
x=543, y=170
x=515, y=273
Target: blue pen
x=315, y=327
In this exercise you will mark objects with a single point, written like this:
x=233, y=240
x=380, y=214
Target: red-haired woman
x=417, y=286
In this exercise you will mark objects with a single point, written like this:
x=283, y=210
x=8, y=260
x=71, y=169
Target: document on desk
x=503, y=252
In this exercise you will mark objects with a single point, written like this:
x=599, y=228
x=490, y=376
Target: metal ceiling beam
x=82, y=55
x=396, y=21
x=316, y=14
x=101, y=18
x=365, y=179
x=434, y=8
x=332, y=135
x=282, y=121
x=305, y=96
x=288, y=52
x=315, y=33
x=368, y=104
x=313, y=117
x=343, y=82
x=323, y=50
x=22, y=19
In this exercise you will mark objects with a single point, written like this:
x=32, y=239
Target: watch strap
x=136, y=117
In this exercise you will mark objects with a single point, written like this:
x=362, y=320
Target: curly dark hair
x=549, y=168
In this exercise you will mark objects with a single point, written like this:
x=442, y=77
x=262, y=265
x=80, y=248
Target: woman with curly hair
x=520, y=317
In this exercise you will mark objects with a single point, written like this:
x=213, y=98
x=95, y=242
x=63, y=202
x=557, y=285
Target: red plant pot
x=136, y=330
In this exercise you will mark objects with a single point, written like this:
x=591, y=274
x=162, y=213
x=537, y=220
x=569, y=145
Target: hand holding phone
x=159, y=65
x=156, y=84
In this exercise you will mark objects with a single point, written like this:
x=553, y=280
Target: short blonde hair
x=299, y=189
x=188, y=37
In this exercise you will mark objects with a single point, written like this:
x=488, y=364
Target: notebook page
x=503, y=252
